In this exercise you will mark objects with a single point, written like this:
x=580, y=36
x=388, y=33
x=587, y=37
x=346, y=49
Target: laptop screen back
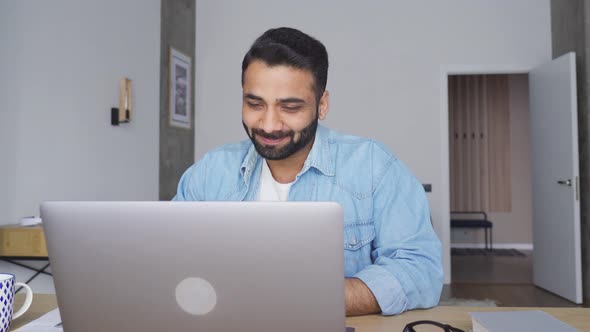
x=197, y=266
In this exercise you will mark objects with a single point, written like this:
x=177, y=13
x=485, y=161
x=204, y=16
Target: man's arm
x=359, y=298
x=191, y=184
x=407, y=265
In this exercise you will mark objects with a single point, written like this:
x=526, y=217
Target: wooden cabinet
x=18, y=241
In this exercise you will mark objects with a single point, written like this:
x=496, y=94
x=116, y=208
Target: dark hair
x=291, y=47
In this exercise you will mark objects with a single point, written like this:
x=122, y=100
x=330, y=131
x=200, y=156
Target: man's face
x=279, y=109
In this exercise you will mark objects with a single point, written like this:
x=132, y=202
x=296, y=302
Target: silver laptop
x=197, y=266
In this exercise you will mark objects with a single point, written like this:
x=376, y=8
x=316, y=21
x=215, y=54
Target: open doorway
x=556, y=264
x=490, y=181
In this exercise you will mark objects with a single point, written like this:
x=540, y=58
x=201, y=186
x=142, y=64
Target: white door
x=557, y=262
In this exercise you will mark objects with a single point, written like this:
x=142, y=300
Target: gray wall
x=177, y=145
x=63, y=79
x=570, y=28
x=385, y=68
x=60, y=66
x=9, y=119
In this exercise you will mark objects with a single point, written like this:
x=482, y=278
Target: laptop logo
x=196, y=296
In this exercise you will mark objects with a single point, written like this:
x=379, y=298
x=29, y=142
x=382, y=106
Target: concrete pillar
x=177, y=145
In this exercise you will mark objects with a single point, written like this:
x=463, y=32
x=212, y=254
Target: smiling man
x=392, y=255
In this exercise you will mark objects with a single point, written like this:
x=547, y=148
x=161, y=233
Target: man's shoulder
x=361, y=155
x=346, y=145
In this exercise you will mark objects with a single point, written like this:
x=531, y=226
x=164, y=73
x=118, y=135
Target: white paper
x=28, y=328
x=30, y=221
x=45, y=323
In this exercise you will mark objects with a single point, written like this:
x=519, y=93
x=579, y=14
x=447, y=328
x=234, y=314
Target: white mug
x=7, y=288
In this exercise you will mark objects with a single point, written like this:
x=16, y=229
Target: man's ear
x=324, y=105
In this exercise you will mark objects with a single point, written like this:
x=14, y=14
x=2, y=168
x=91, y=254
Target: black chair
x=474, y=219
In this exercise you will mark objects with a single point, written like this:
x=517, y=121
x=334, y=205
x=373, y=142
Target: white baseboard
x=518, y=246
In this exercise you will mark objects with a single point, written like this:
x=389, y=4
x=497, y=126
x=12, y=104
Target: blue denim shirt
x=389, y=242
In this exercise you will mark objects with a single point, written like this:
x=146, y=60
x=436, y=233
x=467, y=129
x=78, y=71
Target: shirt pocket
x=358, y=234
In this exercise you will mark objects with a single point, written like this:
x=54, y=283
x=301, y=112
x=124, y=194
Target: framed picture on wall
x=180, y=88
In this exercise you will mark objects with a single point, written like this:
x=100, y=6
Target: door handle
x=567, y=182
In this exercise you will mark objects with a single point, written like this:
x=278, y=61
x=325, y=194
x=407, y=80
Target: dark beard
x=279, y=153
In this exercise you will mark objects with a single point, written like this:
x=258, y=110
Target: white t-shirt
x=270, y=189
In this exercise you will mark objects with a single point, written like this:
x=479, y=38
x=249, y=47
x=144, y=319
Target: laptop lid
x=197, y=266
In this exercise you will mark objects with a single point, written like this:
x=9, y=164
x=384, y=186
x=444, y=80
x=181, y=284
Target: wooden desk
x=459, y=317
x=456, y=316
x=42, y=304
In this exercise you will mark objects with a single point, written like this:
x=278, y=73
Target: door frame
x=445, y=208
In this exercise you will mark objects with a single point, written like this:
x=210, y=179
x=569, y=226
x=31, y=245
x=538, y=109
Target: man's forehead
x=277, y=82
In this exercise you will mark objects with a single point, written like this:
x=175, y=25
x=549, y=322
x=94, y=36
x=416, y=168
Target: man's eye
x=292, y=108
x=255, y=106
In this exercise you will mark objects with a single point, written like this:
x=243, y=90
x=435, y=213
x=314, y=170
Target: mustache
x=273, y=135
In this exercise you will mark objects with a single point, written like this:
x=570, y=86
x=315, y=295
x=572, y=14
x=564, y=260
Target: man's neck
x=285, y=170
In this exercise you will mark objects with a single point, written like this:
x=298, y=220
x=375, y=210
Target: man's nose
x=271, y=121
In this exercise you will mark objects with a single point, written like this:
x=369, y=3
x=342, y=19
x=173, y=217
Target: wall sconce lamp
x=123, y=113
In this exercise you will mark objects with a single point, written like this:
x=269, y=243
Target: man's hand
x=359, y=298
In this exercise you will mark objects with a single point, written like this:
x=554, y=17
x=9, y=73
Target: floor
x=505, y=280
x=42, y=284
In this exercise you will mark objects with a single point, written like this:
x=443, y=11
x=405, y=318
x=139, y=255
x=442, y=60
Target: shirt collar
x=249, y=163
x=319, y=156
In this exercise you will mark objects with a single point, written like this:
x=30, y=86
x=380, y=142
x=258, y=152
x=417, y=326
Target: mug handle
x=28, y=300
